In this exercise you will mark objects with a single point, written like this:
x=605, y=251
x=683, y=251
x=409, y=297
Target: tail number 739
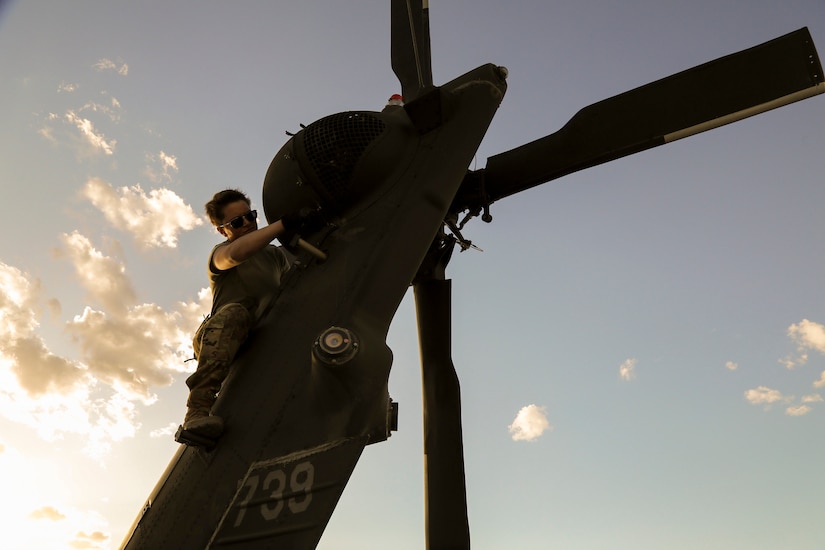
x=290, y=487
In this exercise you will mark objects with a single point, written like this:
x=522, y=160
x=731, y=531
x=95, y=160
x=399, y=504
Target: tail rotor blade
x=410, y=47
x=719, y=92
x=447, y=525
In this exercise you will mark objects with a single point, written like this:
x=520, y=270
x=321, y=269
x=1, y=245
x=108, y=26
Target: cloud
x=763, y=396
x=136, y=352
x=47, y=512
x=111, y=111
x=38, y=370
x=807, y=335
x=21, y=350
x=103, y=277
x=790, y=362
x=106, y=64
x=125, y=355
x=730, y=365
x=167, y=431
x=530, y=423
x=627, y=370
x=161, y=167
x=67, y=87
x=154, y=219
x=821, y=382
x=95, y=139
x=815, y=398
x=32, y=521
x=800, y=410
x=129, y=346
x=49, y=393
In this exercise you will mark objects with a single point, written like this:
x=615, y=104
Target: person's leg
x=216, y=343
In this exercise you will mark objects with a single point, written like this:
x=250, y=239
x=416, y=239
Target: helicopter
x=311, y=391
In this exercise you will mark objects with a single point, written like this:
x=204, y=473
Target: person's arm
x=240, y=249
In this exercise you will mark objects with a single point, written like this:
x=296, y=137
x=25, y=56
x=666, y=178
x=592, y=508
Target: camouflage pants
x=216, y=342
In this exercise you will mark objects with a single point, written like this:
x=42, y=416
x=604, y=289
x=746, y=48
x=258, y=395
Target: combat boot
x=198, y=419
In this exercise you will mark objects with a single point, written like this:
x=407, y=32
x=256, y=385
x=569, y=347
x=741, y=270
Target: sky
x=641, y=345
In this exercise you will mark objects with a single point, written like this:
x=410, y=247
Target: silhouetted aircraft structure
x=310, y=391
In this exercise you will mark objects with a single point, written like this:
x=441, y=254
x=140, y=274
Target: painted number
x=273, y=490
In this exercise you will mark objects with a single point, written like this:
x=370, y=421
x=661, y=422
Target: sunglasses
x=237, y=221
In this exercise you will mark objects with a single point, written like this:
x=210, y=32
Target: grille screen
x=335, y=143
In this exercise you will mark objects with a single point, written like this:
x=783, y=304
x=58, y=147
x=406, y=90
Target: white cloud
x=821, y=382
x=136, y=352
x=161, y=167
x=815, y=398
x=103, y=277
x=807, y=335
x=129, y=346
x=95, y=139
x=791, y=361
x=530, y=422
x=168, y=161
x=627, y=370
x=798, y=411
x=32, y=520
x=111, y=111
x=763, y=396
x=124, y=357
x=730, y=365
x=106, y=64
x=22, y=352
x=49, y=393
x=167, y=431
x=154, y=219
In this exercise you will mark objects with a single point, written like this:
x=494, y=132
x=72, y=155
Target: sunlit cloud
x=799, y=410
x=530, y=423
x=807, y=335
x=124, y=357
x=821, y=382
x=22, y=351
x=103, y=277
x=154, y=218
x=730, y=365
x=161, y=167
x=167, y=431
x=111, y=110
x=136, y=352
x=67, y=87
x=33, y=520
x=47, y=512
x=106, y=64
x=129, y=346
x=37, y=369
x=87, y=129
x=38, y=388
x=815, y=398
x=763, y=396
x=627, y=370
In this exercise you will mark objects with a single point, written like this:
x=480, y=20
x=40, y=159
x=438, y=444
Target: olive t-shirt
x=253, y=282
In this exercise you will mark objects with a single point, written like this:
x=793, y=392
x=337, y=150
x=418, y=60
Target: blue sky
x=661, y=314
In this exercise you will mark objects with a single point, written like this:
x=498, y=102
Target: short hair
x=214, y=208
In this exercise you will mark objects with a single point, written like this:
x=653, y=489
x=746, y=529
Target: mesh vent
x=335, y=143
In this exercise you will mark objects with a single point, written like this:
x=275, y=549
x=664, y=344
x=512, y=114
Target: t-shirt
x=252, y=283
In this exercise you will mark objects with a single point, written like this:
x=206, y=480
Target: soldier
x=244, y=273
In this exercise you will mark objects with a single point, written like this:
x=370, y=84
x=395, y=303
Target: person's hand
x=305, y=220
